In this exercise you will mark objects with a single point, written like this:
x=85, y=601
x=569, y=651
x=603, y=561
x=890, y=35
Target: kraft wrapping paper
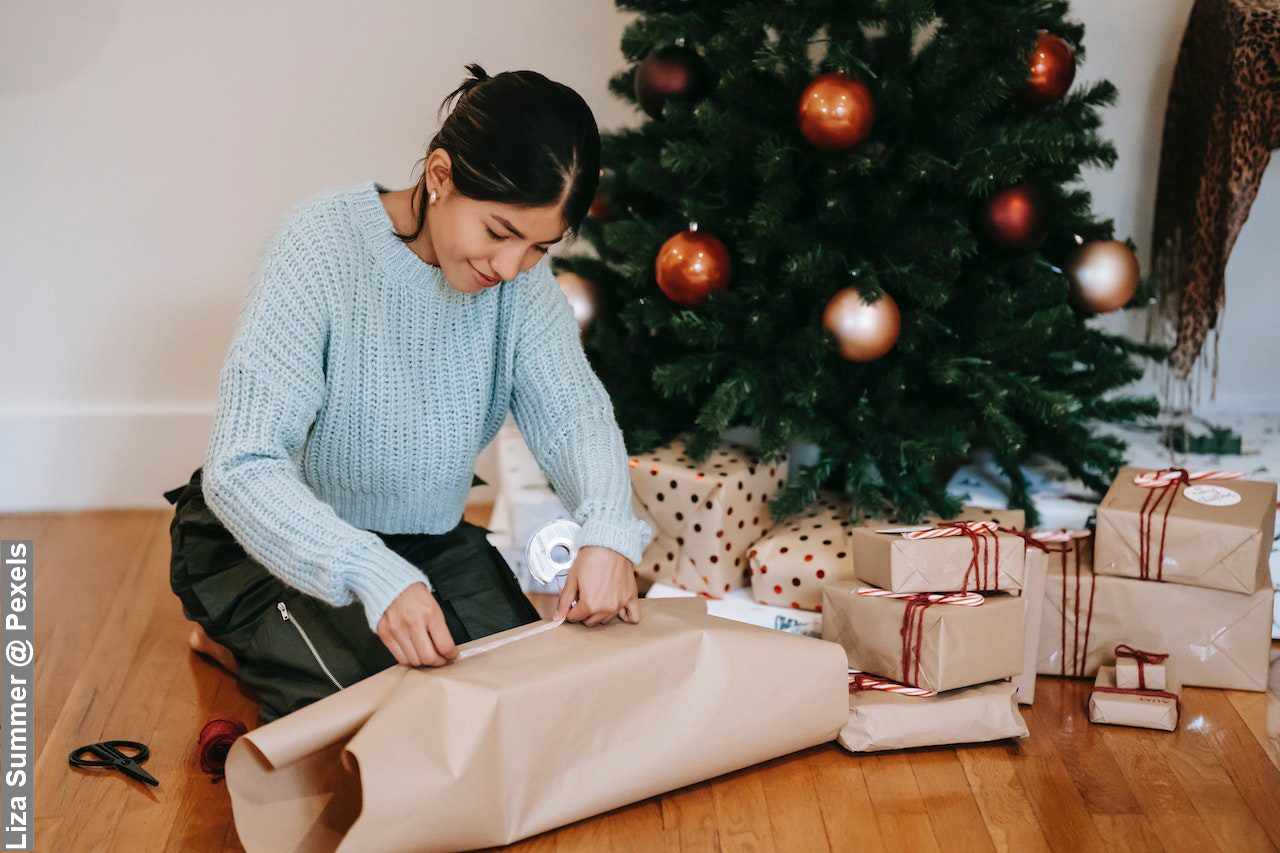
x=893, y=562
x=1124, y=709
x=558, y=723
x=879, y=721
x=1214, y=638
x=960, y=646
x=1153, y=676
x=1217, y=547
x=1034, y=580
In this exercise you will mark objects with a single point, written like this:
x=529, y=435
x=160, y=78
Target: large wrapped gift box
x=537, y=727
x=934, y=641
x=958, y=556
x=884, y=718
x=1214, y=638
x=704, y=516
x=1209, y=532
x=1119, y=706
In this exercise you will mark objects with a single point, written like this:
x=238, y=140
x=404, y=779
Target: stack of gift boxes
x=946, y=624
x=1176, y=566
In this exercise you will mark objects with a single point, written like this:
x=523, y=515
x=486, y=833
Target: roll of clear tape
x=552, y=550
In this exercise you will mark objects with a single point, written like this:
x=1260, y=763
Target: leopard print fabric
x=1222, y=122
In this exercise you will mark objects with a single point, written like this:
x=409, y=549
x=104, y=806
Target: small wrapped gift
x=952, y=556
x=1205, y=528
x=1139, y=670
x=1121, y=706
x=886, y=715
x=791, y=562
x=705, y=517
x=931, y=640
x=530, y=729
x=1214, y=638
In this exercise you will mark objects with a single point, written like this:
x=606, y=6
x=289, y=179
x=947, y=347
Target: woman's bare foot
x=200, y=641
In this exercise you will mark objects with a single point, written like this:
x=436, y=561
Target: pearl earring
x=433, y=197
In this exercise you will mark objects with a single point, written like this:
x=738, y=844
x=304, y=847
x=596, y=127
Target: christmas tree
x=853, y=224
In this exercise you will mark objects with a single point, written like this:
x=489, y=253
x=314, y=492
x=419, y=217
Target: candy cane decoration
x=964, y=599
x=1060, y=535
x=956, y=529
x=1156, y=479
x=861, y=681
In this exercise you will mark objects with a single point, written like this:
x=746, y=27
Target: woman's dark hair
x=518, y=138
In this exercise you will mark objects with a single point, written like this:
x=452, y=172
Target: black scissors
x=109, y=755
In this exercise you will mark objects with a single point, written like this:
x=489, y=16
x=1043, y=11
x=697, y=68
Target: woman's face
x=474, y=239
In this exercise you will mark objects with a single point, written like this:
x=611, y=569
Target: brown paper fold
x=547, y=729
x=880, y=721
x=1214, y=638
x=960, y=646
x=1216, y=547
x=1126, y=709
x=1035, y=577
x=893, y=562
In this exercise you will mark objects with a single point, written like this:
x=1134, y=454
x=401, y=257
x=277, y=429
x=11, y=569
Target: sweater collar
x=400, y=261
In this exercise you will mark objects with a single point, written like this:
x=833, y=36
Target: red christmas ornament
x=835, y=112
x=1014, y=220
x=600, y=209
x=1053, y=67
x=670, y=73
x=691, y=266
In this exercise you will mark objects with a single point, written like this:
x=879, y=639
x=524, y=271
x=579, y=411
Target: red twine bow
x=1164, y=486
x=215, y=741
x=985, y=543
x=1142, y=658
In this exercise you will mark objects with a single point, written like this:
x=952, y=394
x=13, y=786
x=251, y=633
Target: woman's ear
x=440, y=169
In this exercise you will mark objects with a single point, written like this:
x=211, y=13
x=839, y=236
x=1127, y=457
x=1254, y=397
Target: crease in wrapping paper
x=1215, y=547
x=959, y=646
x=901, y=564
x=1214, y=638
x=1129, y=709
x=882, y=721
x=526, y=737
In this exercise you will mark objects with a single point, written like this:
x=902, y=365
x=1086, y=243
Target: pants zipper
x=284, y=614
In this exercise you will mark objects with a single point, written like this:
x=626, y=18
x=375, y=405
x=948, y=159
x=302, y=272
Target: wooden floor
x=112, y=662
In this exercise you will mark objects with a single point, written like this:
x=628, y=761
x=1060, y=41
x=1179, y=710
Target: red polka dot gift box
x=705, y=516
x=791, y=562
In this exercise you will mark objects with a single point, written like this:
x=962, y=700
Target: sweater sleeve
x=567, y=419
x=270, y=389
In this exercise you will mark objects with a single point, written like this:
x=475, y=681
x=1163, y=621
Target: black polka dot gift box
x=798, y=555
x=705, y=516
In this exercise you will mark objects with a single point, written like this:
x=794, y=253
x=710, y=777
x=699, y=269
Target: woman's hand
x=604, y=583
x=414, y=631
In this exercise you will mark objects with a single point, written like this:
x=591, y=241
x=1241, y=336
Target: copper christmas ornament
x=835, y=112
x=1104, y=276
x=691, y=266
x=1053, y=67
x=864, y=330
x=667, y=74
x=1014, y=219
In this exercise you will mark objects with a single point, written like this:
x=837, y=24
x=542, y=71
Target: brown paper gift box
x=1126, y=709
x=897, y=563
x=1146, y=676
x=705, y=516
x=1217, y=547
x=1034, y=579
x=880, y=721
x=554, y=726
x=959, y=646
x=1214, y=638
x=791, y=562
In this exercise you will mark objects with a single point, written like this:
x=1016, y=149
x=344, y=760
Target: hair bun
x=478, y=75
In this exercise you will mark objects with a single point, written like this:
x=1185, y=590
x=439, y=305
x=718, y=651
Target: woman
x=382, y=342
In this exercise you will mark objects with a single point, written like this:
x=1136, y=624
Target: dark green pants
x=293, y=648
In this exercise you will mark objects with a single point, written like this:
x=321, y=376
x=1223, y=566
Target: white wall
x=146, y=149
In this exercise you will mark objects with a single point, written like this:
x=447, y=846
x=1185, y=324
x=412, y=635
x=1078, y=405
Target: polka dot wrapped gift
x=798, y=555
x=705, y=516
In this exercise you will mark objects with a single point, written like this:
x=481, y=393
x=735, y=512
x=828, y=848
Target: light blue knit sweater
x=360, y=387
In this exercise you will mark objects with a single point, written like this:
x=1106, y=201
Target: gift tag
x=552, y=550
